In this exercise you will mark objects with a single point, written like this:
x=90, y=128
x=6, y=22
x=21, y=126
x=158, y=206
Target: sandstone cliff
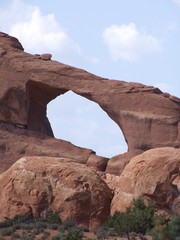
x=40, y=174
x=147, y=117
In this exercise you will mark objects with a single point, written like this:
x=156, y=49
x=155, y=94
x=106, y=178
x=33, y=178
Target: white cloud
x=127, y=43
x=177, y=2
x=40, y=33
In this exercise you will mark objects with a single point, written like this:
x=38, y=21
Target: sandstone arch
x=147, y=117
x=83, y=123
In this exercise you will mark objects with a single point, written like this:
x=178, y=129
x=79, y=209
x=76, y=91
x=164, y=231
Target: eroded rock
x=38, y=186
x=16, y=142
x=147, y=117
x=154, y=175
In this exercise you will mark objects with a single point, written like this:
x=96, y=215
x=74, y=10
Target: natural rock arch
x=147, y=117
x=83, y=123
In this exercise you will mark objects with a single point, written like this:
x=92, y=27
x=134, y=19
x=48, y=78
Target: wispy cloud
x=40, y=33
x=127, y=43
x=177, y=2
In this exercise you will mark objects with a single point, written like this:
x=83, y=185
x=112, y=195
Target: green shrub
x=6, y=223
x=41, y=225
x=166, y=230
x=138, y=219
x=16, y=235
x=45, y=235
x=16, y=219
x=84, y=229
x=74, y=234
x=54, y=218
x=7, y=231
x=59, y=236
x=19, y=219
x=61, y=229
x=104, y=232
x=36, y=232
x=69, y=224
x=128, y=161
x=26, y=237
x=54, y=226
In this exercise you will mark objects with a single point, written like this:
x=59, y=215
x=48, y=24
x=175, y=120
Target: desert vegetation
x=136, y=222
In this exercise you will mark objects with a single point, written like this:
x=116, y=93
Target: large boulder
x=38, y=186
x=153, y=175
x=147, y=117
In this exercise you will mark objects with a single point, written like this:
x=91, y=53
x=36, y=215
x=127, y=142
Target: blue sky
x=132, y=40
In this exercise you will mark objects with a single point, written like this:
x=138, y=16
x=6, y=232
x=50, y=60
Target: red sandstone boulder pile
x=153, y=175
x=38, y=186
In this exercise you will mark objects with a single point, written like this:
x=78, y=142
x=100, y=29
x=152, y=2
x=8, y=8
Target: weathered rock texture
x=154, y=175
x=38, y=186
x=147, y=117
x=15, y=143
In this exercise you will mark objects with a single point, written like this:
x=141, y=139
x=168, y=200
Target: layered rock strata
x=147, y=117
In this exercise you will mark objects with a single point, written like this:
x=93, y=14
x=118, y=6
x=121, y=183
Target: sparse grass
x=69, y=224
x=104, y=232
x=16, y=235
x=54, y=226
x=42, y=229
x=7, y=231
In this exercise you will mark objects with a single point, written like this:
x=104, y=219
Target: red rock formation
x=38, y=186
x=15, y=143
x=147, y=117
x=154, y=175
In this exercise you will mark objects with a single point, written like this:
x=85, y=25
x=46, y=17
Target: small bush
x=61, y=229
x=16, y=235
x=59, y=236
x=84, y=229
x=54, y=218
x=138, y=219
x=104, y=232
x=25, y=236
x=54, y=226
x=74, y=234
x=6, y=223
x=69, y=224
x=19, y=219
x=7, y=231
x=166, y=230
x=41, y=225
x=45, y=235
x=36, y=232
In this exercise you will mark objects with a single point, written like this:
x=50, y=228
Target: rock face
x=53, y=175
x=38, y=186
x=16, y=143
x=154, y=175
x=147, y=117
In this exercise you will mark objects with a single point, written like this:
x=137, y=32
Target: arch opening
x=83, y=122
